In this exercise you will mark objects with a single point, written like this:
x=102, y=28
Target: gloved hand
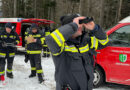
x=26, y=58
x=30, y=39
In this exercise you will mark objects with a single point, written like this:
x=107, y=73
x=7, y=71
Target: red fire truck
x=113, y=62
x=20, y=25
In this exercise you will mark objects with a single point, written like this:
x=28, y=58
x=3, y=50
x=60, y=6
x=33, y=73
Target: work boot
x=40, y=78
x=44, y=55
x=33, y=74
x=9, y=75
x=48, y=55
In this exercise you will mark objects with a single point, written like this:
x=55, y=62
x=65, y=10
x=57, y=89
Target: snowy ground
x=22, y=82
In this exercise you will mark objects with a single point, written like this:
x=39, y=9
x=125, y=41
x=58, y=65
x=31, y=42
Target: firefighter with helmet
x=34, y=40
x=8, y=41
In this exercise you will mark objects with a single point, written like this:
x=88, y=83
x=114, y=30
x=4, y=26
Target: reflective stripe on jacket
x=35, y=47
x=72, y=59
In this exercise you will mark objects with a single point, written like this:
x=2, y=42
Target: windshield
x=2, y=26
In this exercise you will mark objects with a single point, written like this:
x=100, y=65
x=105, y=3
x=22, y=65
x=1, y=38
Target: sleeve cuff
x=96, y=28
x=74, y=26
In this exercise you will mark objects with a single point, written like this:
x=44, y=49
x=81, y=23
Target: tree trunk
x=81, y=6
x=15, y=8
x=119, y=10
x=35, y=9
x=101, y=13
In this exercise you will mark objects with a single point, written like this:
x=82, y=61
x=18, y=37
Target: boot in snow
x=10, y=75
x=33, y=74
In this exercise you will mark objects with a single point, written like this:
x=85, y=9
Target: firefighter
x=34, y=39
x=73, y=51
x=46, y=52
x=8, y=40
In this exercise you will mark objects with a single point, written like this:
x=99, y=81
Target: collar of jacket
x=34, y=33
x=8, y=33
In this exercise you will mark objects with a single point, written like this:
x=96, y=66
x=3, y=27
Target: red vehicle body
x=20, y=25
x=113, y=62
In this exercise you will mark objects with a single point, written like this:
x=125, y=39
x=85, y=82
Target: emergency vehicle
x=20, y=25
x=113, y=62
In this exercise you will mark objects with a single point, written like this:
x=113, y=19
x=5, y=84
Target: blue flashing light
x=19, y=19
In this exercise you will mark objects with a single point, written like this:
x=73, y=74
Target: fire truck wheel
x=99, y=77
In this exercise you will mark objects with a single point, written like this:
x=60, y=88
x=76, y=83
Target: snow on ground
x=22, y=82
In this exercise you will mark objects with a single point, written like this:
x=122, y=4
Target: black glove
x=26, y=58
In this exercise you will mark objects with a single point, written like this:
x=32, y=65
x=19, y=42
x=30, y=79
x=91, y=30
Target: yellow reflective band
x=61, y=36
x=26, y=37
x=9, y=71
x=5, y=36
x=45, y=52
x=1, y=36
x=71, y=48
x=11, y=36
x=104, y=42
x=33, y=68
x=92, y=39
x=62, y=48
x=1, y=73
x=30, y=35
x=44, y=45
x=84, y=49
x=39, y=71
x=17, y=41
x=38, y=35
x=11, y=54
x=94, y=43
x=34, y=52
x=2, y=54
x=42, y=40
x=26, y=33
x=58, y=37
x=47, y=33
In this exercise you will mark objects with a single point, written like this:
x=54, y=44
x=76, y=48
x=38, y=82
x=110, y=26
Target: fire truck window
x=121, y=37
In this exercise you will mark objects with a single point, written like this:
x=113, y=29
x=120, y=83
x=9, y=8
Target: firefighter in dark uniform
x=8, y=40
x=46, y=52
x=34, y=39
x=72, y=52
